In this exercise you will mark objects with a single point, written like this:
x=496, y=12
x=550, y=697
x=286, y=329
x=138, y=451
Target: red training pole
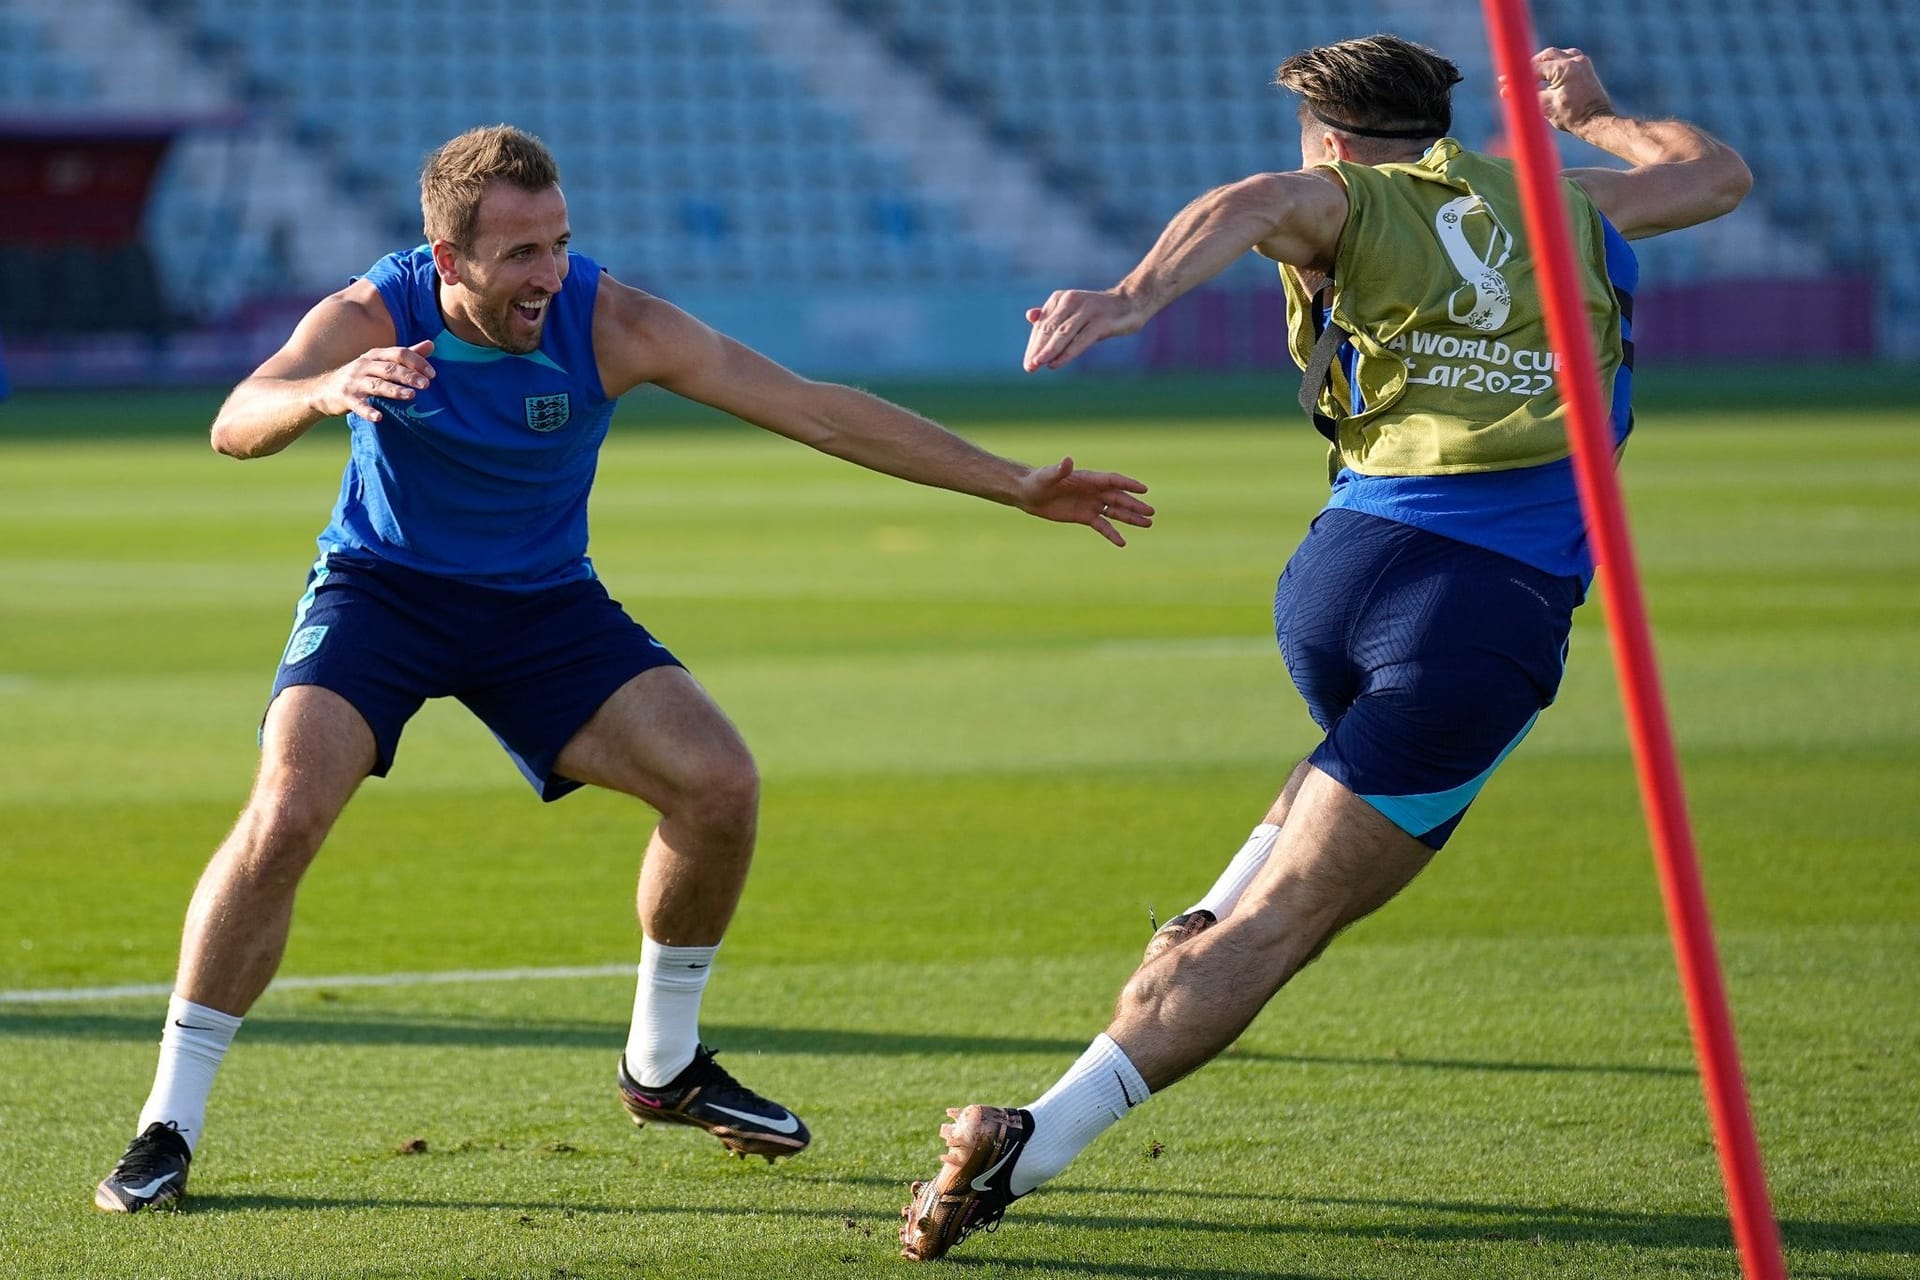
x=1755, y=1233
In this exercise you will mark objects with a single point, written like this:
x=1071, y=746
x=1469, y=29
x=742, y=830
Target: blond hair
x=457, y=173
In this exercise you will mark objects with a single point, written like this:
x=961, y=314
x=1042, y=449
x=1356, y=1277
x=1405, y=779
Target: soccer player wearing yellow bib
x=1425, y=617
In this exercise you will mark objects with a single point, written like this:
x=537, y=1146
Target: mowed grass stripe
x=890, y=866
x=1476, y=1108
x=989, y=747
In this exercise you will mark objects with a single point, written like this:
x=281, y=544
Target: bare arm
x=1290, y=217
x=340, y=356
x=639, y=338
x=1681, y=174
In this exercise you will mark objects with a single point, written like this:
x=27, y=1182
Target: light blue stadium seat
x=666, y=118
x=1129, y=107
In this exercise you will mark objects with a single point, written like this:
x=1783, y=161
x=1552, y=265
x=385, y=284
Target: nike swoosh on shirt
x=787, y=1123
x=155, y=1185
x=423, y=413
x=980, y=1182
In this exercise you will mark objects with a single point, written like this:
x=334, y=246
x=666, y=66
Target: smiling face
x=496, y=289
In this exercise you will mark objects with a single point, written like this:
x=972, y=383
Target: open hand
x=393, y=373
x=1096, y=498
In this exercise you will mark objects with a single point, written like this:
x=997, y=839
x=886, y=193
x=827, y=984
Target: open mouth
x=532, y=311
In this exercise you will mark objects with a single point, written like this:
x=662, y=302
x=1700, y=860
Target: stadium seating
x=697, y=156
x=1821, y=99
x=33, y=80
x=689, y=157
x=1131, y=107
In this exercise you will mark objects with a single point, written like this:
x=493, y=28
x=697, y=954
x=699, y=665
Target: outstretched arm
x=1290, y=217
x=340, y=356
x=639, y=338
x=1681, y=174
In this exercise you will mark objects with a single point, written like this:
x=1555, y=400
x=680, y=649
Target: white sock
x=666, y=1011
x=1096, y=1091
x=1240, y=872
x=191, y=1046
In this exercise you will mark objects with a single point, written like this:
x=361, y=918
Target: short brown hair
x=1376, y=82
x=456, y=175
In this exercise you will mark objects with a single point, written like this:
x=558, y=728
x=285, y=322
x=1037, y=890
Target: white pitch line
x=443, y=977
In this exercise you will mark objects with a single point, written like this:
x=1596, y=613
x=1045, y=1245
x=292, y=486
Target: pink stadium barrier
x=1817, y=319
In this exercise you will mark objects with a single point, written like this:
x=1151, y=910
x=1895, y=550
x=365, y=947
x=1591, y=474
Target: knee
x=1250, y=949
x=725, y=791
x=1150, y=984
x=279, y=832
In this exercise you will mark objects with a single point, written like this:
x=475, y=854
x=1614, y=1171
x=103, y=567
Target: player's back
x=1448, y=413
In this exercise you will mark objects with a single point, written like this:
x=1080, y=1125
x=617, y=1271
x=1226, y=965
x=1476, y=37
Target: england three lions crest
x=549, y=413
x=303, y=644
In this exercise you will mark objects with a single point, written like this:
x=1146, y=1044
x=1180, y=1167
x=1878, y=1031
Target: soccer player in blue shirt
x=478, y=373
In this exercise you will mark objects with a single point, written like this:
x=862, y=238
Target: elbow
x=229, y=441
x=817, y=415
x=226, y=441
x=1739, y=181
x=1733, y=181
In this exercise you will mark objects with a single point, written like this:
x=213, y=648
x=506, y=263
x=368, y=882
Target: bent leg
x=1220, y=900
x=315, y=749
x=1425, y=660
x=1338, y=858
x=1335, y=860
x=661, y=738
x=1283, y=803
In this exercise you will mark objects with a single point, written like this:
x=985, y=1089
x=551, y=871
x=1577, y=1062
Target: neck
x=455, y=314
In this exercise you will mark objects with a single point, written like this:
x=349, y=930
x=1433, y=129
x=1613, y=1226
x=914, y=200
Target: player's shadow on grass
x=408, y=1027
x=1450, y=1221
x=412, y=1027
x=1445, y=1221
x=1158, y=1270
x=1566, y=1222
x=1382, y=1223
x=258, y=1202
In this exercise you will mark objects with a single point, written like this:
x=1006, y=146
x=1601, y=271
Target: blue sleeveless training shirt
x=482, y=476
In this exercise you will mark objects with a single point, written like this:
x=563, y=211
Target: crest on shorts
x=549, y=413
x=304, y=642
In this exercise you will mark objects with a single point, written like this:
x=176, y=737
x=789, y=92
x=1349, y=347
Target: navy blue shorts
x=1426, y=660
x=533, y=665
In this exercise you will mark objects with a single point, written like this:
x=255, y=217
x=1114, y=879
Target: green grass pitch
x=989, y=746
